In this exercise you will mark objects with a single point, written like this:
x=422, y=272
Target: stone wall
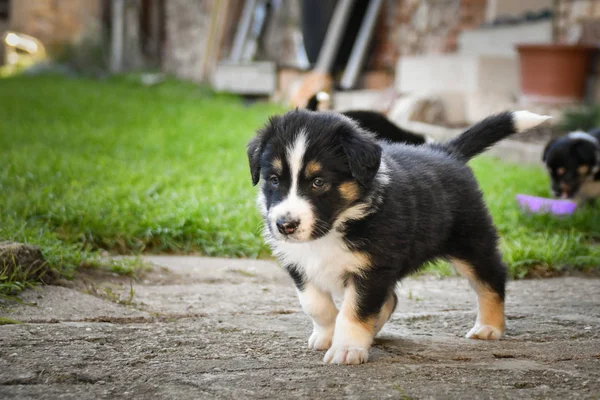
x=571, y=16
x=187, y=35
x=416, y=27
x=59, y=23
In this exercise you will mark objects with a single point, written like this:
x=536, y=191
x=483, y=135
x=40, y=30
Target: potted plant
x=555, y=72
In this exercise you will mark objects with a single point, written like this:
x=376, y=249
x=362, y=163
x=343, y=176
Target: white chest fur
x=324, y=261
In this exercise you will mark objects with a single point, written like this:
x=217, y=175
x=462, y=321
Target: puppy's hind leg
x=487, y=276
x=386, y=311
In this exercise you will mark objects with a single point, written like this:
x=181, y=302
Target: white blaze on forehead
x=295, y=155
x=294, y=205
x=583, y=136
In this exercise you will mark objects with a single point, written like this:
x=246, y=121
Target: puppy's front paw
x=320, y=340
x=484, y=332
x=346, y=355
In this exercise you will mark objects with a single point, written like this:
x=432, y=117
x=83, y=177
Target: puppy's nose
x=287, y=226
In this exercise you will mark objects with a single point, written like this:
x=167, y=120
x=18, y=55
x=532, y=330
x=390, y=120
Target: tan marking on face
x=561, y=171
x=277, y=165
x=312, y=168
x=349, y=191
x=583, y=169
x=489, y=304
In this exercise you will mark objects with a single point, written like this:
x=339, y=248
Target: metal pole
x=155, y=29
x=242, y=32
x=333, y=38
x=117, y=31
x=360, y=46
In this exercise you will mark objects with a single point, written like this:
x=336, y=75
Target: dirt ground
x=212, y=328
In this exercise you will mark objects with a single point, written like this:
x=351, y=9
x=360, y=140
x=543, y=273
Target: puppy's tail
x=490, y=131
x=316, y=99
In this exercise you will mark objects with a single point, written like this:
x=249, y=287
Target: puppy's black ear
x=256, y=147
x=547, y=150
x=364, y=156
x=254, y=153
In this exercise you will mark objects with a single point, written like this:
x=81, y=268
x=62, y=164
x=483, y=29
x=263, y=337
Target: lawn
x=112, y=165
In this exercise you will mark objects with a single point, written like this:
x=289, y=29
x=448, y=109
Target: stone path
x=212, y=328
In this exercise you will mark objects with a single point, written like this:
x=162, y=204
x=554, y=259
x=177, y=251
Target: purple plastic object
x=543, y=205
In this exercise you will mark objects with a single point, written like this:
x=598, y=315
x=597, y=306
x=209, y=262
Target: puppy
x=573, y=162
x=372, y=121
x=348, y=215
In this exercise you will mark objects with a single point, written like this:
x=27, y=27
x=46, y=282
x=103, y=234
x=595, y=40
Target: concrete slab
x=243, y=335
x=376, y=100
x=456, y=73
x=255, y=78
x=501, y=40
x=53, y=304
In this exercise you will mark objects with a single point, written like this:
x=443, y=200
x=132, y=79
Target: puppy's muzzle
x=287, y=225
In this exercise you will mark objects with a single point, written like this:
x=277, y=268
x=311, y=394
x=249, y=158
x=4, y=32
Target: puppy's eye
x=318, y=183
x=274, y=180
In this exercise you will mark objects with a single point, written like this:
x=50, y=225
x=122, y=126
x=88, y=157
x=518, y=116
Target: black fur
x=313, y=103
x=296, y=275
x=364, y=156
x=474, y=141
x=434, y=209
x=564, y=156
x=383, y=128
x=377, y=123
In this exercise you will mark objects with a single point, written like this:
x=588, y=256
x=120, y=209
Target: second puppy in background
x=573, y=162
x=372, y=121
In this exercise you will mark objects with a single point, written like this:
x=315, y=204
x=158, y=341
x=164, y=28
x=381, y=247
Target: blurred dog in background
x=573, y=162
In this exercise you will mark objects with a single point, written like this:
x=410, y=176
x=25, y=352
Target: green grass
x=114, y=165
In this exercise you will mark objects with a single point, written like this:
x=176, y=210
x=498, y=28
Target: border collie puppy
x=372, y=121
x=350, y=216
x=573, y=162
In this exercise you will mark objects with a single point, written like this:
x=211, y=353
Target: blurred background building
x=447, y=61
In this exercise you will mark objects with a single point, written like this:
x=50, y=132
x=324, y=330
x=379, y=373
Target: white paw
x=320, y=340
x=346, y=355
x=484, y=332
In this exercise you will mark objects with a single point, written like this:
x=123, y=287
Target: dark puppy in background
x=350, y=216
x=372, y=121
x=573, y=162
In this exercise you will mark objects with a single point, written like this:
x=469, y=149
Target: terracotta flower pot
x=554, y=73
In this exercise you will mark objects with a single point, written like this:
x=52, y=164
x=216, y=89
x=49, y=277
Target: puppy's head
x=312, y=167
x=570, y=160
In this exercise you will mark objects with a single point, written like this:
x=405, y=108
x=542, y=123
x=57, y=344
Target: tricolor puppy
x=348, y=215
x=573, y=162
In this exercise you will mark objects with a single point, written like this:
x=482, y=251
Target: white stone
x=469, y=86
x=252, y=78
x=501, y=40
